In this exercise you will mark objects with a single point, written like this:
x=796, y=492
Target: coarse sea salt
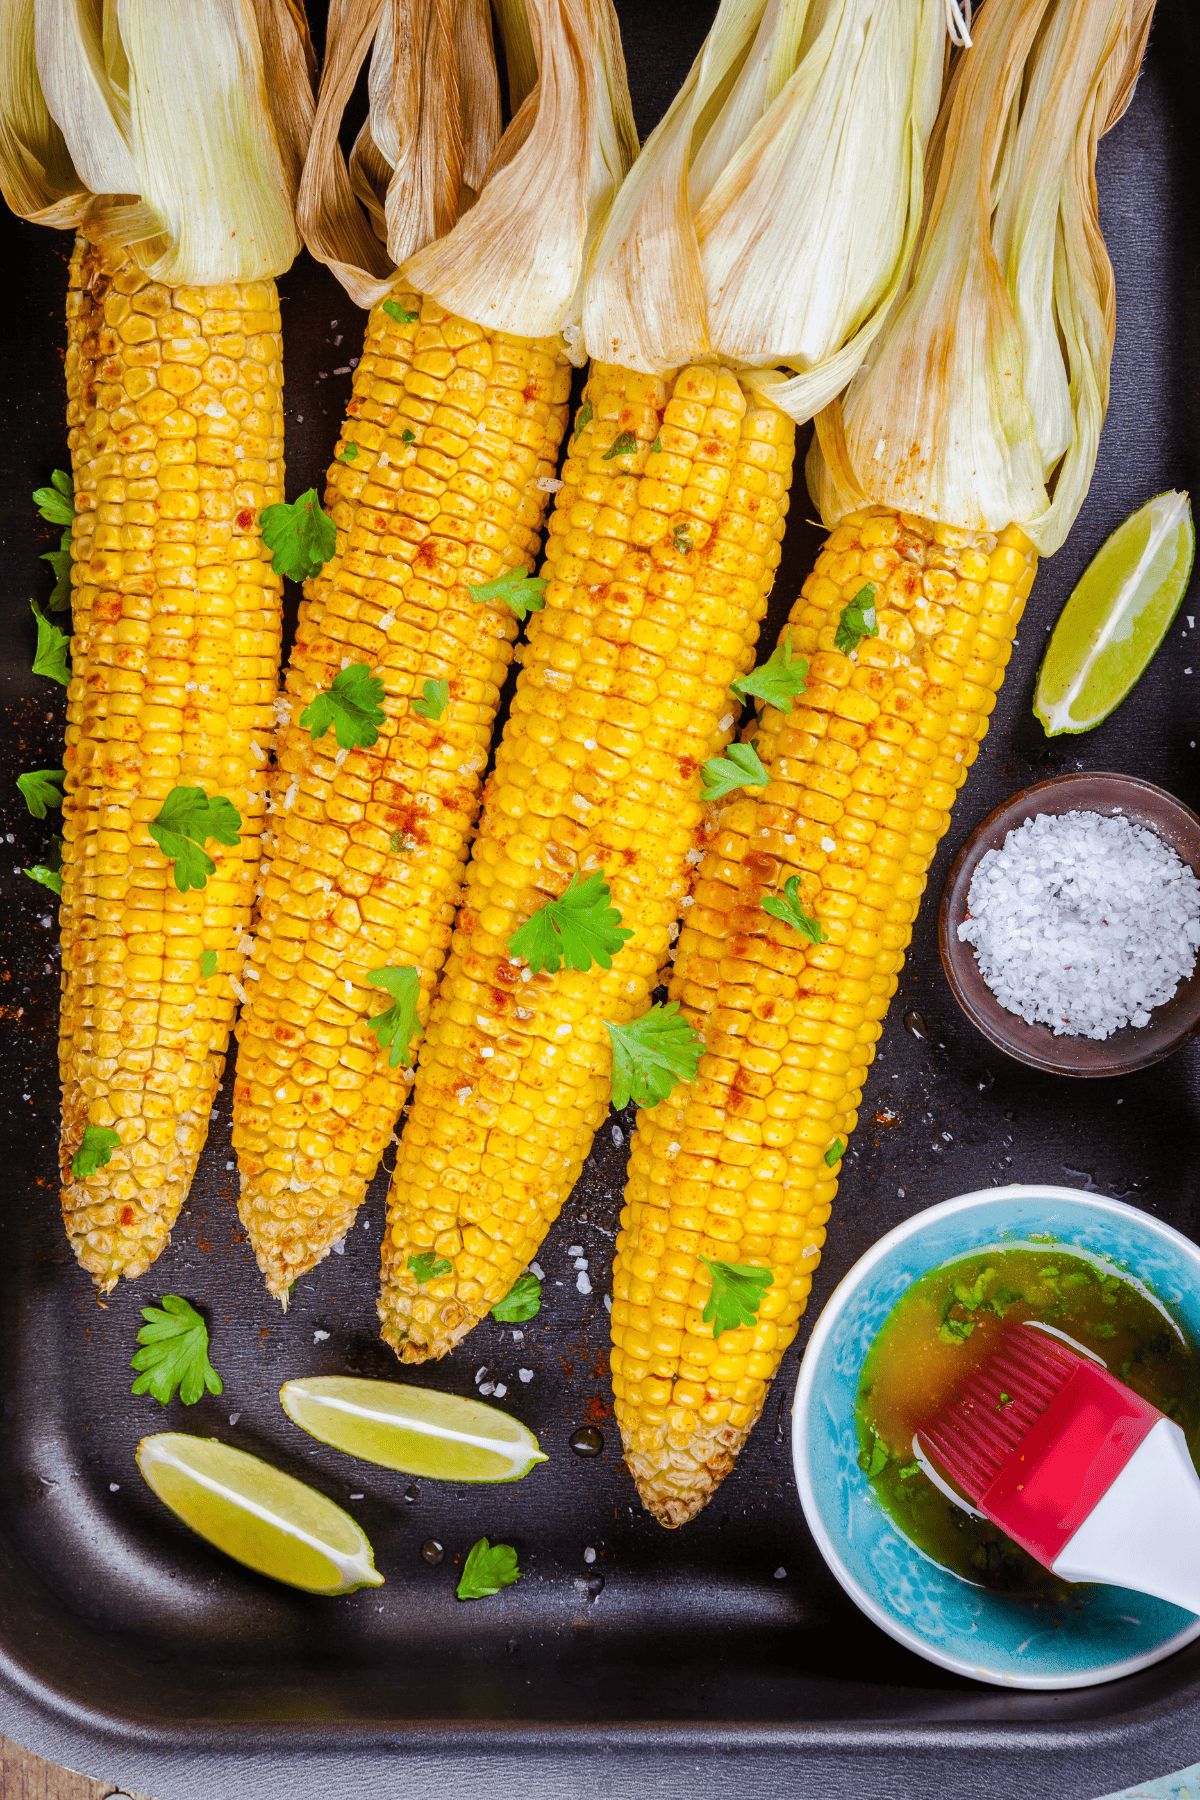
x=1083, y=922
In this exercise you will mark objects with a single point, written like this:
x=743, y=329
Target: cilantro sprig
x=521, y=593
x=739, y=767
x=38, y=789
x=737, y=1294
x=652, y=1054
x=95, y=1151
x=778, y=680
x=579, y=928
x=788, y=908
x=300, y=537
x=427, y=1267
x=50, y=657
x=857, y=620
x=351, y=705
x=56, y=504
x=399, y=1025
x=488, y=1568
x=174, y=1354
x=522, y=1301
x=435, y=699
x=189, y=817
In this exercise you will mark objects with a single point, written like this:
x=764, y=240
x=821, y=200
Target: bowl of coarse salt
x=1070, y=925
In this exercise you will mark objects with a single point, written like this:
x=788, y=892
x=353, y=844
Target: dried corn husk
x=175, y=132
x=981, y=405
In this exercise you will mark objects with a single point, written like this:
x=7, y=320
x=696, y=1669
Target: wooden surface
x=27, y=1777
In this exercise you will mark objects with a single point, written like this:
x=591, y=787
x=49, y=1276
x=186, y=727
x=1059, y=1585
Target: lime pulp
x=416, y=1430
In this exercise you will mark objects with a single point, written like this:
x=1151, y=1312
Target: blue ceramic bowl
x=1103, y=1632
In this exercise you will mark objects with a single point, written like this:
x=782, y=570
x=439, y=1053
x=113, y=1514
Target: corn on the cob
x=176, y=434
x=453, y=429
x=660, y=558
x=736, y=1165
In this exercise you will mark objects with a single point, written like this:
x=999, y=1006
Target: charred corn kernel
x=175, y=660
x=660, y=558
x=899, y=722
x=452, y=428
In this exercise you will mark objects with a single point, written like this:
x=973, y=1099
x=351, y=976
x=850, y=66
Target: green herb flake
x=352, y=705
x=408, y=436
x=955, y=1331
x=681, y=540
x=515, y=589
x=835, y=1153
x=60, y=562
x=1004, y=1400
x=39, y=790
x=788, y=908
x=583, y=417
x=400, y=1024
x=777, y=681
x=208, y=964
x=349, y=454
x=522, y=1301
x=45, y=876
x=189, y=817
x=579, y=928
x=1104, y=1328
x=656, y=447
x=739, y=767
x=879, y=1458
x=652, y=1054
x=300, y=537
x=909, y=1470
x=857, y=620
x=488, y=1568
x=174, y=1354
x=436, y=700
x=737, y=1294
x=400, y=314
x=427, y=1267
x=50, y=657
x=624, y=444
x=95, y=1150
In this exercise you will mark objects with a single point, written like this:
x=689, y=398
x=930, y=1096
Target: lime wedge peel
x=261, y=1517
x=1117, y=617
x=417, y=1431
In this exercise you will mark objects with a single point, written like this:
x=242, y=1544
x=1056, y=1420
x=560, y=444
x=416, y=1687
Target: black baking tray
x=676, y=1662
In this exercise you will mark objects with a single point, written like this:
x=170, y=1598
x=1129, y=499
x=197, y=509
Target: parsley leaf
x=435, y=702
x=488, y=1568
x=681, y=540
x=208, y=964
x=622, y=445
x=652, y=1054
x=737, y=1293
x=656, y=447
x=351, y=705
x=583, y=417
x=522, y=1301
x=60, y=562
x=523, y=593
x=739, y=767
x=834, y=1153
x=792, y=913
x=187, y=820
x=37, y=787
x=778, y=680
x=426, y=1266
x=394, y=310
x=50, y=657
x=579, y=928
x=349, y=454
x=407, y=436
x=56, y=503
x=399, y=1025
x=857, y=621
x=300, y=537
x=174, y=1357
x=49, y=878
x=95, y=1150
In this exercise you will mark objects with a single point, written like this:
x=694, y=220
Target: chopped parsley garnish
x=208, y=964
x=583, y=417
x=1004, y=1400
x=408, y=436
x=349, y=454
x=520, y=592
x=394, y=310
x=95, y=1150
x=488, y=1568
x=401, y=845
x=189, y=817
x=652, y=1054
x=681, y=540
x=737, y=1294
x=622, y=445
x=427, y=1267
x=789, y=909
x=955, y=1331
x=909, y=1470
x=399, y=1025
x=39, y=791
x=300, y=537
x=879, y=1457
x=522, y=1301
x=174, y=1356
x=351, y=705
x=857, y=620
x=656, y=447
x=57, y=506
x=435, y=701
x=778, y=680
x=739, y=767
x=834, y=1153
x=579, y=928
x=50, y=657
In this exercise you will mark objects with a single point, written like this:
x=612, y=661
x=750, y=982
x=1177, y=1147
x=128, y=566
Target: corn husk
x=771, y=216
x=176, y=133
x=982, y=403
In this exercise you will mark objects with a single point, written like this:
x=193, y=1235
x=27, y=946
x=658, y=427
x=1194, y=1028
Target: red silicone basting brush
x=1092, y=1480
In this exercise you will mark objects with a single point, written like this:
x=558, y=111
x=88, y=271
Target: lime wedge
x=1117, y=616
x=413, y=1429
x=258, y=1515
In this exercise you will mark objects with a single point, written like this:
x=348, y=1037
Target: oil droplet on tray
x=432, y=1551
x=411, y=1491
x=587, y=1441
x=915, y=1025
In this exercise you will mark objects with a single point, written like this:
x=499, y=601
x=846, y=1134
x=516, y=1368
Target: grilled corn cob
x=740, y=1165
x=451, y=430
x=176, y=435
x=661, y=552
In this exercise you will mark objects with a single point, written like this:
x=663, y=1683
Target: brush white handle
x=1144, y=1533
